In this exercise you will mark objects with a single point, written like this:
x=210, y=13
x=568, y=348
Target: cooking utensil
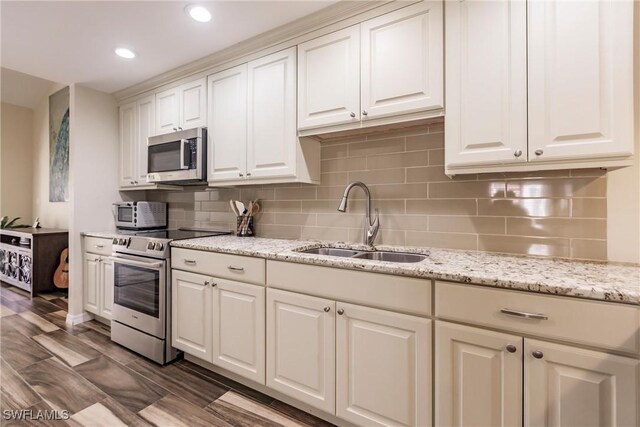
x=233, y=207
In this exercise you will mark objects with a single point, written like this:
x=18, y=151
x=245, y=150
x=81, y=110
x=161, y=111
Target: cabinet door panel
x=106, y=288
x=91, y=277
x=271, y=138
x=191, y=314
x=301, y=348
x=238, y=328
x=329, y=79
x=486, y=82
x=128, y=144
x=580, y=79
x=193, y=104
x=167, y=111
x=402, y=61
x=146, y=127
x=228, y=124
x=383, y=367
x=574, y=387
x=477, y=381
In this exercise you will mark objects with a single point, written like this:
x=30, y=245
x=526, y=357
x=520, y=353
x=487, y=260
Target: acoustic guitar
x=61, y=276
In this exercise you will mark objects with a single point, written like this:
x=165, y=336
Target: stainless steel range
x=141, y=319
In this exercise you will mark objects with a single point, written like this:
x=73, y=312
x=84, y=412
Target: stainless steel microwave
x=178, y=157
x=140, y=215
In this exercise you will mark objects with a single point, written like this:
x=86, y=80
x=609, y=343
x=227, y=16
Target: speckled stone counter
x=599, y=281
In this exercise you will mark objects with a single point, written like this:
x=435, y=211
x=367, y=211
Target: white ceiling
x=73, y=41
x=22, y=89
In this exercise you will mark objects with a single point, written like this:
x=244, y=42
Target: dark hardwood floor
x=47, y=365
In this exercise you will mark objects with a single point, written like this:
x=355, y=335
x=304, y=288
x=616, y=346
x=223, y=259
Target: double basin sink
x=400, y=257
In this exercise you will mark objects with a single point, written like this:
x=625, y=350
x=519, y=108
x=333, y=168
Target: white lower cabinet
x=191, y=329
x=98, y=284
x=106, y=268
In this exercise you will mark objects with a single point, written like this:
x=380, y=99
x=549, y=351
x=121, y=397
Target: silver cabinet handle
x=214, y=284
x=539, y=152
x=248, y=173
x=327, y=309
x=179, y=128
x=175, y=129
x=511, y=348
x=523, y=314
x=352, y=114
x=99, y=246
x=240, y=174
x=517, y=153
x=206, y=283
x=537, y=354
x=190, y=261
x=365, y=113
x=97, y=260
x=232, y=268
x=340, y=311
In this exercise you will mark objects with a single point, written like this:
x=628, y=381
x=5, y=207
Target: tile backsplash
x=550, y=213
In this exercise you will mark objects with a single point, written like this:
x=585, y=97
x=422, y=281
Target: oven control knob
x=159, y=246
x=150, y=246
x=123, y=242
x=115, y=240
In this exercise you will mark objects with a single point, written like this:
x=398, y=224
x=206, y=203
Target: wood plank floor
x=46, y=364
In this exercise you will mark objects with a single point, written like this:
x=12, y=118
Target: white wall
x=16, y=168
x=623, y=186
x=93, y=161
x=52, y=214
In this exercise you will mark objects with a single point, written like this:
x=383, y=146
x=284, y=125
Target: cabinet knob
x=517, y=153
x=340, y=311
x=179, y=128
x=537, y=354
x=214, y=284
x=539, y=152
x=511, y=348
x=248, y=173
x=206, y=283
x=175, y=129
x=326, y=309
x=241, y=175
x=352, y=114
x=364, y=113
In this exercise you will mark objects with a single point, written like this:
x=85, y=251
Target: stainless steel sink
x=400, y=257
x=391, y=256
x=347, y=253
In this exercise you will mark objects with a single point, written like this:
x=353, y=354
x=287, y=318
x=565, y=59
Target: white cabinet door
x=106, y=287
x=191, y=314
x=478, y=377
x=91, y=275
x=238, y=328
x=301, y=348
x=566, y=386
x=402, y=61
x=383, y=367
x=228, y=124
x=580, y=79
x=168, y=111
x=271, y=133
x=193, y=104
x=146, y=113
x=128, y=144
x=486, y=93
x=329, y=79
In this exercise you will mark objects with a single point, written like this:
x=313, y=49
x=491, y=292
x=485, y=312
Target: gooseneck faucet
x=372, y=225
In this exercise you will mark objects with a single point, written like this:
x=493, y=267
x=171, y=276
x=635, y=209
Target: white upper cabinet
x=271, y=115
x=227, y=124
x=486, y=85
x=329, y=79
x=580, y=79
x=182, y=107
x=402, y=61
x=128, y=144
x=146, y=127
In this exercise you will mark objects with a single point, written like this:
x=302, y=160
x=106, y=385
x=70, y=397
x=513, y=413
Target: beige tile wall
x=553, y=213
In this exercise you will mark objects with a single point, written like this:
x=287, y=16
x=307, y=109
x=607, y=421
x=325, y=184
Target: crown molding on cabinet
x=335, y=17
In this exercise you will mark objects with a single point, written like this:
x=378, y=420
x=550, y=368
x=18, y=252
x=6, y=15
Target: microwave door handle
x=182, y=144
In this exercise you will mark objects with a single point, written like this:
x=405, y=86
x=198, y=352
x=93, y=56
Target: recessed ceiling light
x=199, y=13
x=125, y=53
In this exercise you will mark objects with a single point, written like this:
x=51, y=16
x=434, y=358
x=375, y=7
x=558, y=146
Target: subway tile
x=344, y=220
x=280, y=231
x=568, y=187
x=247, y=194
x=217, y=206
x=343, y=164
x=333, y=151
x=201, y=195
x=324, y=233
x=589, y=208
x=385, y=237
x=442, y=207
x=400, y=191
x=435, y=174
x=337, y=178
x=404, y=222
x=280, y=206
x=437, y=127
x=381, y=146
x=466, y=190
x=379, y=176
x=587, y=172
x=425, y=141
x=224, y=194
x=522, y=245
x=306, y=219
x=302, y=193
x=589, y=249
x=468, y=224
x=441, y=240
x=436, y=157
x=558, y=227
x=336, y=192
x=525, y=207
x=398, y=160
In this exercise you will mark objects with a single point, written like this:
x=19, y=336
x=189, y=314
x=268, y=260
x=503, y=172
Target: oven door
x=140, y=293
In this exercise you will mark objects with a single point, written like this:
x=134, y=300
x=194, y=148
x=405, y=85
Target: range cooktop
x=155, y=243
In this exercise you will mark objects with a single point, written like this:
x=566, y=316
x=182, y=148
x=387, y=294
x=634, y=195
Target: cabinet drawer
x=234, y=267
x=599, y=324
x=404, y=294
x=97, y=245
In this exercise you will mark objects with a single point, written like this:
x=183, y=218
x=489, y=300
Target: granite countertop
x=598, y=281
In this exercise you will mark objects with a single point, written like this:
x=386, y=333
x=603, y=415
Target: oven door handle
x=182, y=144
x=127, y=261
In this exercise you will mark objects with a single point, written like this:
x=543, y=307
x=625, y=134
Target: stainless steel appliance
x=140, y=215
x=178, y=157
x=141, y=316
